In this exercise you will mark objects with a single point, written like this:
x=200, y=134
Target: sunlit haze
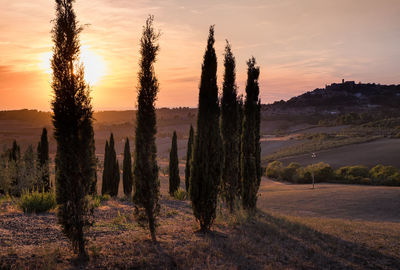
x=299, y=45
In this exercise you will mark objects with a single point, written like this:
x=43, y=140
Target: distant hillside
x=340, y=98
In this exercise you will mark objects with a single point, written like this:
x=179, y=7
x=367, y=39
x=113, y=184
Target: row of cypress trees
x=111, y=170
x=224, y=155
x=73, y=130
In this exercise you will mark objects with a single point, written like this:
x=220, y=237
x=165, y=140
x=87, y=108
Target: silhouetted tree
x=111, y=173
x=72, y=119
x=43, y=161
x=14, y=152
x=207, y=160
x=146, y=182
x=230, y=125
x=251, y=139
x=105, y=186
x=189, y=157
x=174, y=180
x=127, y=175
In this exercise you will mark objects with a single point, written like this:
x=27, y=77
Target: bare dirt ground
x=283, y=235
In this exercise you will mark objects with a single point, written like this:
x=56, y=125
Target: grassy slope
x=281, y=237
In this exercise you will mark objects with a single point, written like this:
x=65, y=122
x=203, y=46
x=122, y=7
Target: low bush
x=352, y=174
x=289, y=173
x=180, y=194
x=274, y=169
x=37, y=202
x=385, y=175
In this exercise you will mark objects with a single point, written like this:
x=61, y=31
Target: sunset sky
x=299, y=44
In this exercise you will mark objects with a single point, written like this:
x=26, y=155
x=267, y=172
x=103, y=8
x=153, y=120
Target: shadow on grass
x=268, y=242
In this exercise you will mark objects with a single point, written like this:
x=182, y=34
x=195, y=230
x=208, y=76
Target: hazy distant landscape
x=200, y=135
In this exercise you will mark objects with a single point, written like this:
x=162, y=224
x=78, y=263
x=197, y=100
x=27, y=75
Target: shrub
x=322, y=173
x=352, y=174
x=289, y=173
x=37, y=202
x=385, y=175
x=274, y=169
x=180, y=194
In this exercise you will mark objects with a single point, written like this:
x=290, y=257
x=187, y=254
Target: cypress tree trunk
x=43, y=161
x=250, y=159
x=189, y=157
x=73, y=130
x=230, y=132
x=207, y=160
x=146, y=182
x=174, y=180
x=127, y=176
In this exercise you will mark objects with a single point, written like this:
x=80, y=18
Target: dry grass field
x=331, y=227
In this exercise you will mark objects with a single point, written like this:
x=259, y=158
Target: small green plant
x=95, y=202
x=37, y=202
x=180, y=194
x=119, y=219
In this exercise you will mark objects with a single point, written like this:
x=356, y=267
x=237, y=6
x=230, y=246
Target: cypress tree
x=250, y=160
x=111, y=176
x=189, y=157
x=73, y=129
x=106, y=170
x=174, y=180
x=146, y=182
x=127, y=175
x=43, y=160
x=207, y=160
x=230, y=123
x=14, y=152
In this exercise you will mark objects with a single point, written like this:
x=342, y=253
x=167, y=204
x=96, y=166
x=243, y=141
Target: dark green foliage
x=72, y=119
x=14, y=152
x=106, y=172
x=206, y=168
x=274, y=169
x=145, y=172
x=385, y=175
x=37, y=202
x=43, y=161
x=250, y=153
x=230, y=127
x=174, y=180
x=111, y=173
x=127, y=175
x=352, y=174
x=189, y=157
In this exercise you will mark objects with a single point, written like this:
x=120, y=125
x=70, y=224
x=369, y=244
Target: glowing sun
x=95, y=66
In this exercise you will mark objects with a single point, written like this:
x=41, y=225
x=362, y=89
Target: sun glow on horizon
x=95, y=67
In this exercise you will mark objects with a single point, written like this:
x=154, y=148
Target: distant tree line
x=25, y=172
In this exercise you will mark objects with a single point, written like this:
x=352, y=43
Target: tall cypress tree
x=14, y=154
x=127, y=175
x=207, y=160
x=73, y=129
x=106, y=172
x=111, y=175
x=189, y=157
x=174, y=180
x=250, y=160
x=146, y=182
x=43, y=160
x=114, y=168
x=230, y=123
